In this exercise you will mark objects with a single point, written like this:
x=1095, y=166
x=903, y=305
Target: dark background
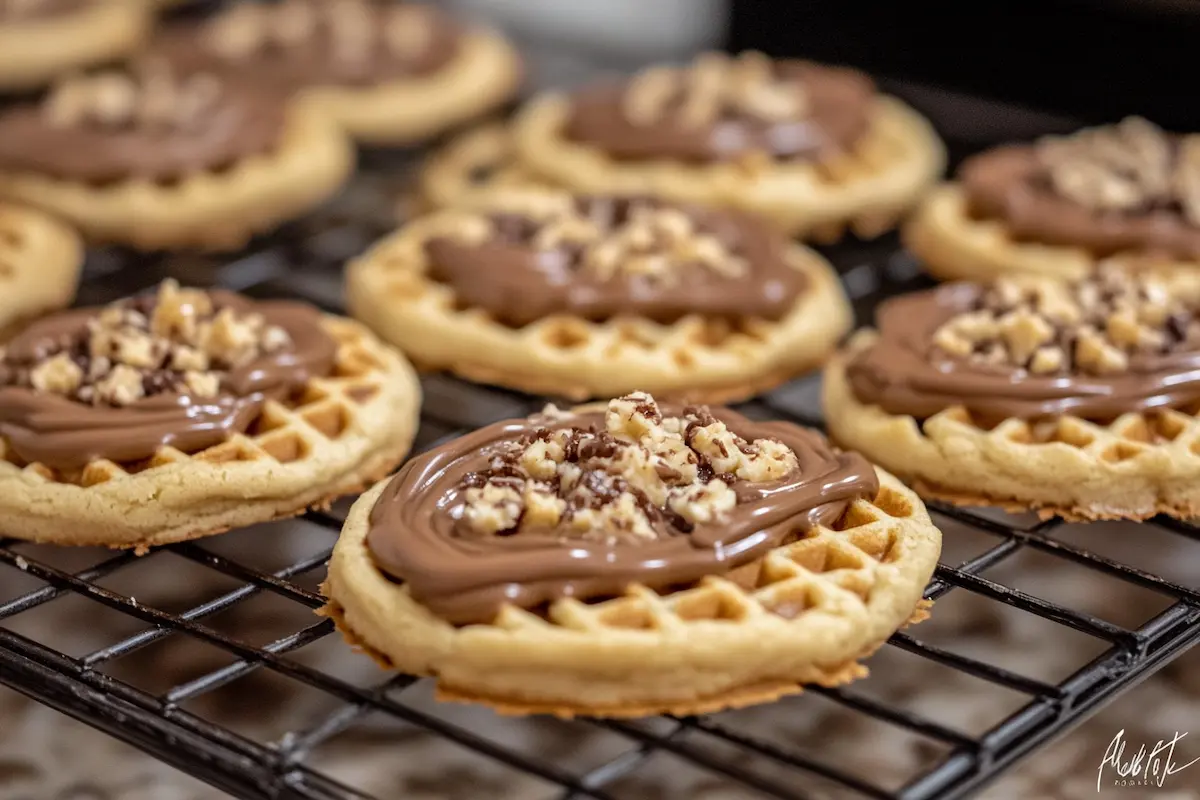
x=1089, y=60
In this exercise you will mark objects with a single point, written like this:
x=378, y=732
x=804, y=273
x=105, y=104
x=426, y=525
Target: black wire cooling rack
x=304, y=261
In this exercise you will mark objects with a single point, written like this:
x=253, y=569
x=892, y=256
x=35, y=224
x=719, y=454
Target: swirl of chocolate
x=300, y=43
x=600, y=257
x=720, y=110
x=62, y=432
x=1126, y=188
x=1113, y=344
x=148, y=124
x=419, y=532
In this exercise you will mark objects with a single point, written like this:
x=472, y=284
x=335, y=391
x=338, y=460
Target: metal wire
x=304, y=261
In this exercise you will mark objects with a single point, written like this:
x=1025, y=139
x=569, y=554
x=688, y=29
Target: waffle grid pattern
x=302, y=262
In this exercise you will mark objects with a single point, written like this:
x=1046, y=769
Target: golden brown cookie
x=184, y=413
x=1077, y=399
x=592, y=296
x=388, y=73
x=1058, y=207
x=40, y=259
x=157, y=159
x=627, y=559
x=472, y=165
x=812, y=148
x=43, y=39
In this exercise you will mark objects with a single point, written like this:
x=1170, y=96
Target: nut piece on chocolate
x=172, y=341
x=715, y=84
x=639, y=477
x=150, y=95
x=608, y=237
x=1092, y=327
x=1131, y=166
x=351, y=28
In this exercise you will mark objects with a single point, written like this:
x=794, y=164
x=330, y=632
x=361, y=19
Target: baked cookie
x=161, y=160
x=472, y=165
x=389, y=73
x=1057, y=207
x=595, y=296
x=631, y=559
x=42, y=39
x=1075, y=398
x=182, y=413
x=40, y=259
x=813, y=148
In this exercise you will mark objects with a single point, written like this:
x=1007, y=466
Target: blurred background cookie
x=43, y=39
x=389, y=73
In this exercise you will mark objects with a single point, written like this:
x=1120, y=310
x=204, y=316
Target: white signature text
x=1146, y=767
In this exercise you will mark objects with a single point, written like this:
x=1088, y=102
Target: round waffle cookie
x=472, y=165
x=388, y=73
x=95, y=451
x=662, y=134
x=42, y=39
x=1075, y=399
x=592, y=296
x=162, y=160
x=605, y=616
x=1060, y=206
x=40, y=261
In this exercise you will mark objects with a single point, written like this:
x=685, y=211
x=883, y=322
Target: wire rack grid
x=304, y=261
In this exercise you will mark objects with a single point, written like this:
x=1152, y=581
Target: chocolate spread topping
x=698, y=261
x=1092, y=368
x=807, y=111
x=300, y=43
x=64, y=433
x=1129, y=188
x=149, y=124
x=419, y=532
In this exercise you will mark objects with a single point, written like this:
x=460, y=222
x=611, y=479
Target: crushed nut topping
x=150, y=95
x=642, y=473
x=714, y=85
x=607, y=237
x=172, y=341
x=351, y=27
x=1131, y=166
x=1094, y=326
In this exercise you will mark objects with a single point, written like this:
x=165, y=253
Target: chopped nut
x=1094, y=354
x=186, y=359
x=58, y=375
x=640, y=472
x=713, y=84
x=202, y=384
x=1024, y=332
x=1047, y=360
x=122, y=386
x=950, y=341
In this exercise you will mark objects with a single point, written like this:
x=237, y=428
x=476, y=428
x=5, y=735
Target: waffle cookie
x=472, y=165
x=812, y=148
x=1060, y=206
x=43, y=39
x=158, y=159
x=593, y=296
x=183, y=413
x=626, y=559
x=40, y=260
x=1077, y=399
x=388, y=73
